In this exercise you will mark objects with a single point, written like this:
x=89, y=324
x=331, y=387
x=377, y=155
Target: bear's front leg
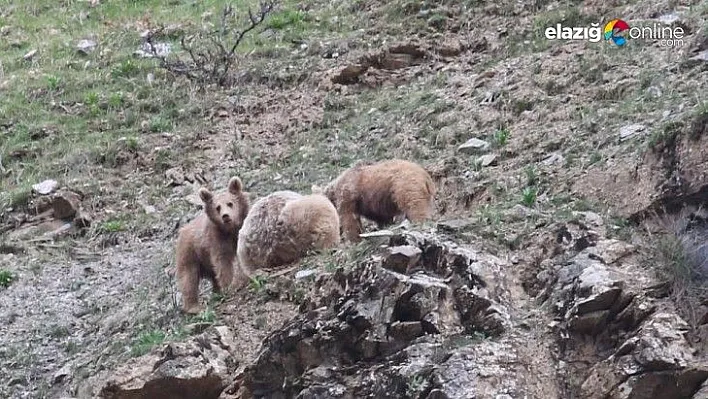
x=223, y=272
x=189, y=286
x=351, y=225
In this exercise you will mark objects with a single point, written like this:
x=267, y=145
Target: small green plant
x=331, y=266
x=665, y=135
x=489, y=215
x=207, y=315
x=125, y=69
x=115, y=100
x=6, y=278
x=216, y=298
x=53, y=82
x=477, y=164
x=531, y=175
x=131, y=143
x=112, y=226
x=528, y=196
x=415, y=385
x=283, y=19
x=147, y=341
x=91, y=98
x=501, y=137
x=163, y=159
x=595, y=157
x=257, y=283
x=159, y=124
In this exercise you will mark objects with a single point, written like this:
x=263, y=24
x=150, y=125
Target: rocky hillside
x=568, y=257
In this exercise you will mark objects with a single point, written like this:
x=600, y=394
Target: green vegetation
x=146, y=341
x=6, y=278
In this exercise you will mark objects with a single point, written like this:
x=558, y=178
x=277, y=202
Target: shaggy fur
x=283, y=226
x=206, y=247
x=381, y=192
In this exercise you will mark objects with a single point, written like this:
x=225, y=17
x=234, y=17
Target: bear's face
x=227, y=209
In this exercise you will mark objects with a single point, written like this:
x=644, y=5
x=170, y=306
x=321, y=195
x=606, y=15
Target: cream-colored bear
x=283, y=226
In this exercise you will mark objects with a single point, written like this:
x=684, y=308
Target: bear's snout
x=226, y=218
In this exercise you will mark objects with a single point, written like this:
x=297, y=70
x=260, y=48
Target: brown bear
x=206, y=246
x=283, y=227
x=381, y=192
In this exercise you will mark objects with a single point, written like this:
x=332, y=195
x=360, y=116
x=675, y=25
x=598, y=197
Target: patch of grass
x=6, y=278
x=501, y=137
x=287, y=18
x=528, y=196
x=146, y=341
x=531, y=175
x=699, y=123
x=257, y=283
x=665, y=135
x=207, y=315
x=489, y=215
x=595, y=157
x=415, y=385
x=112, y=226
x=681, y=256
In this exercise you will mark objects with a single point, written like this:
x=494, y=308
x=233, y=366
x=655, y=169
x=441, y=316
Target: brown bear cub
x=381, y=192
x=283, y=227
x=206, y=246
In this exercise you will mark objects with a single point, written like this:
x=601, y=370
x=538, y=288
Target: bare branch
x=209, y=55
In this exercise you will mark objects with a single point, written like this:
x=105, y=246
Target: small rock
x=59, y=231
x=669, y=19
x=45, y=187
x=406, y=330
x=226, y=336
x=378, y=233
x=591, y=218
x=437, y=394
x=175, y=176
x=149, y=209
x=86, y=46
x=473, y=146
x=303, y=274
x=401, y=258
x=451, y=48
x=160, y=50
x=518, y=212
x=702, y=56
x=30, y=54
x=488, y=159
x=627, y=132
x=553, y=158
x=349, y=74
x=65, y=204
x=61, y=375
x=455, y=225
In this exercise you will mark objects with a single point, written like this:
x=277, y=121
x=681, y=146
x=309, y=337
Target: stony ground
x=574, y=133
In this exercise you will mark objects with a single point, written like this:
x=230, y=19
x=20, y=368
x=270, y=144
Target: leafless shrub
x=210, y=54
x=682, y=256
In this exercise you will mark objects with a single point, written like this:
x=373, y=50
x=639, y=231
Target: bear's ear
x=235, y=185
x=317, y=189
x=205, y=195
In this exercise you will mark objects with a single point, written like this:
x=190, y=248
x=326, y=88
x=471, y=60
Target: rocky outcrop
x=371, y=330
x=609, y=319
x=196, y=369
